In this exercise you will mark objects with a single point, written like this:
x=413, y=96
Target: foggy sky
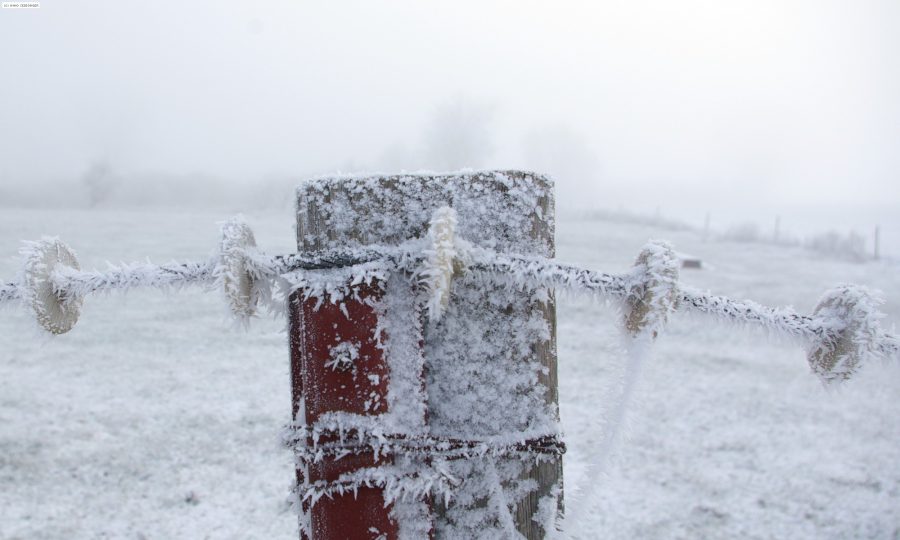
x=690, y=104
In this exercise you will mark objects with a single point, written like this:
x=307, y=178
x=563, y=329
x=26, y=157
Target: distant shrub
x=634, y=218
x=743, y=232
x=851, y=246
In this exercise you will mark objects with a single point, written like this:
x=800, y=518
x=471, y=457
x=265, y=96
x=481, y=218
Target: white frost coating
x=519, y=272
x=437, y=269
x=413, y=517
x=332, y=285
x=483, y=503
x=611, y=429
x=652, y=291
x=513, y=271
x=851, y=313
x=480, y=381
x=343, y=356
x=380, y=444
x=816, y=333
x=499, y=503
x=400, y=332
x=234, y=276
x=401, y=482
x=398, y=336
x=131, y=276
x=412, y=198
x=56, y=311
x=484, y=380
x=409, y=479
x=652, y=296
x=548, y=515
x=779, y=321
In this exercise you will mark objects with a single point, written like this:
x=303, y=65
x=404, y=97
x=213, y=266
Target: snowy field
x=154, y=419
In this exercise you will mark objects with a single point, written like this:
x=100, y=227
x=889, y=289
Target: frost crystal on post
x=343, y=356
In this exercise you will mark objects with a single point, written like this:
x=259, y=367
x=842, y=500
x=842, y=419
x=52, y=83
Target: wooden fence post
x=488, y=368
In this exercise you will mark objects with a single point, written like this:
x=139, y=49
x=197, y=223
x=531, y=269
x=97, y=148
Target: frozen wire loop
x=653, y=292
x=816, y=332
x=850, y=312
x=56, y=310
x=437, y=269
x=233, y=275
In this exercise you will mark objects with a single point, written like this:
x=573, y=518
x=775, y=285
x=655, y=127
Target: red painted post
x=360, y=514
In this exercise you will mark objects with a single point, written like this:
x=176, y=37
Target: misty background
x=768, y=118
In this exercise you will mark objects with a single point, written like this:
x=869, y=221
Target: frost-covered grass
x=155, y=418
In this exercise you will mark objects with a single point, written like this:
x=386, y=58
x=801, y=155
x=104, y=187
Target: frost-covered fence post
x=459, y=416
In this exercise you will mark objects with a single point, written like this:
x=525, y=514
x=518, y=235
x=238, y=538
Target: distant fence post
x=877, y=242
x=706, y=228
x=482, y=382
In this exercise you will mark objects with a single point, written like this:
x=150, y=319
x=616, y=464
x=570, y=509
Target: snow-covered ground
x=155, y=419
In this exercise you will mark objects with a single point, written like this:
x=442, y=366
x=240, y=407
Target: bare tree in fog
x=565, y=154
x=100, y=182
x=459, y=135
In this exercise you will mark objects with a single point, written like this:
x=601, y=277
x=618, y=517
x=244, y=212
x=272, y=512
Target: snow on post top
x=389, y=209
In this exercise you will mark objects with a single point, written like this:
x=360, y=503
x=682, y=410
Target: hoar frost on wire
x=651, y=297
x=510, y=271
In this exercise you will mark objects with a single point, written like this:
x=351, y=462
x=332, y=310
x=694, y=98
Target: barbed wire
x=312, y=445
x=52, y=284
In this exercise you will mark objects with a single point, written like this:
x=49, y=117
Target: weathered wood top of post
x=504, y=210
